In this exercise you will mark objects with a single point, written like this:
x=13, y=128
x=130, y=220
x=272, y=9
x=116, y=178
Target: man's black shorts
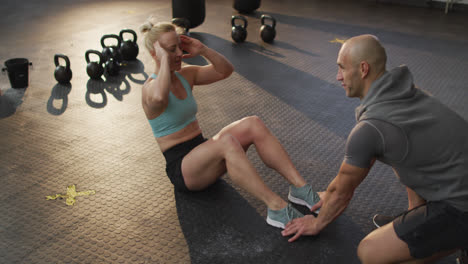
x=174, y=157
x=431, y=228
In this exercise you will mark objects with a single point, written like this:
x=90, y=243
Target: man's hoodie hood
x=393, y=85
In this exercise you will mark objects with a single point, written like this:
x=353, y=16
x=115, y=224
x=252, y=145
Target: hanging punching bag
x=246, y=6
x=193, y=10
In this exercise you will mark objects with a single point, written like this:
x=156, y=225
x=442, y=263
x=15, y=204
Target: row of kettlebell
x=125, y=50
x=94, y=69
x=111, y=56
x=267, y=31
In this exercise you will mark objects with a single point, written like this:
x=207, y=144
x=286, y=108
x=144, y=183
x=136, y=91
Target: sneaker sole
x=301, y=202
x=275, y=223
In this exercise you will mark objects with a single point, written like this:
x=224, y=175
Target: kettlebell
x=182, y=22
x=111, y=51
x=94, y=69
x=128, y=48
x=112, y=67
x=267, y=32
x=63, y=74
x=239, y=32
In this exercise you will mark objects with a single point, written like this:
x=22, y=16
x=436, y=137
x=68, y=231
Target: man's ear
x=364, y=69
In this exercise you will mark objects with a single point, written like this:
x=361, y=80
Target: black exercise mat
x=220, y=226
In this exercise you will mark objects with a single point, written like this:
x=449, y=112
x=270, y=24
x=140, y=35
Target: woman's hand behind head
x=160, y=52
x=192, y=46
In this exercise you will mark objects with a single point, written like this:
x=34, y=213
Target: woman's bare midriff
x=187, y=133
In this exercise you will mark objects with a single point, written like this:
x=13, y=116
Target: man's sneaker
x=381, y=220
x=304, y=196
x=279, y=218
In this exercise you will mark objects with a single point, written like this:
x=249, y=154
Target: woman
x=193, y=162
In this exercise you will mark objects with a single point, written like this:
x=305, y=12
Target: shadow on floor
x=117, y=85
x=10, y=100
x=59, y=95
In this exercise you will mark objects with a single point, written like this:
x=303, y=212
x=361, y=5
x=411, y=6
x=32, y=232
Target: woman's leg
x=210, y=160
x=251, y=130
x=226, y=151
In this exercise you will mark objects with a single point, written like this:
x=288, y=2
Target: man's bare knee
x=366, y=252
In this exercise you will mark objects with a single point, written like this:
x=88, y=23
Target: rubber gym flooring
x=94, y=135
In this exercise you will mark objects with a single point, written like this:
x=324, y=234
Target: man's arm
x=333, y=203
x=363, y=145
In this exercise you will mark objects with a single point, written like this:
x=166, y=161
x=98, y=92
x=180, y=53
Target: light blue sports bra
x=178, y=113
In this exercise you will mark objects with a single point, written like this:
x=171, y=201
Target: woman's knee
x=228, y=143
x=254, y=121
x=254, y=126
x=246, y=131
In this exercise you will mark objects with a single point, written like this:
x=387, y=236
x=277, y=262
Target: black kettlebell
x=94, y=69
x=267, y=32
x=112, y=67
x=239, y=32
x=111, y=51
x=183, y=23
x=63, y=74
x=129, y=48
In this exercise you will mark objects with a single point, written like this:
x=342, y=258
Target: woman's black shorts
x=174, y=157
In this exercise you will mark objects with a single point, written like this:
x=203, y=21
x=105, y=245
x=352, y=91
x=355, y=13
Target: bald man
x=426, y=144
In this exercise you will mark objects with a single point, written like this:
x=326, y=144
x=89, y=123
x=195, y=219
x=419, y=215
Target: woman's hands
x=193, y=46
x=159, y=52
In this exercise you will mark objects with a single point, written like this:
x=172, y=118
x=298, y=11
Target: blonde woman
x=193, y=162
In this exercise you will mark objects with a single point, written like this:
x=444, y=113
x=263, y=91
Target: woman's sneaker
x=279, y=218
x=304, y=195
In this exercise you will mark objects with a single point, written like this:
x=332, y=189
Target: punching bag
x=192, y=10
x=246, y=6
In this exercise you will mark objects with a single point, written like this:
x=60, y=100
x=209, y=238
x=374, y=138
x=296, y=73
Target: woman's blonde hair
x=152, y=32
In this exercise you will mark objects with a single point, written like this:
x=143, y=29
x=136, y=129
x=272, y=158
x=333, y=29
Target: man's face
x=348, y=74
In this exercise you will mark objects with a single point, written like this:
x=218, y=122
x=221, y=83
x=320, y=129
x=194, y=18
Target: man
x=425, y=143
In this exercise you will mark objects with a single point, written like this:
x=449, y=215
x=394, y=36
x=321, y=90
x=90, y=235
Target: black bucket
x=18, y=72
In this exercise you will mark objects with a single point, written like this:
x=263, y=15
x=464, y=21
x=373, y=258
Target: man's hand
x=301, y=226
x=320, y=203
x=193, y=46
